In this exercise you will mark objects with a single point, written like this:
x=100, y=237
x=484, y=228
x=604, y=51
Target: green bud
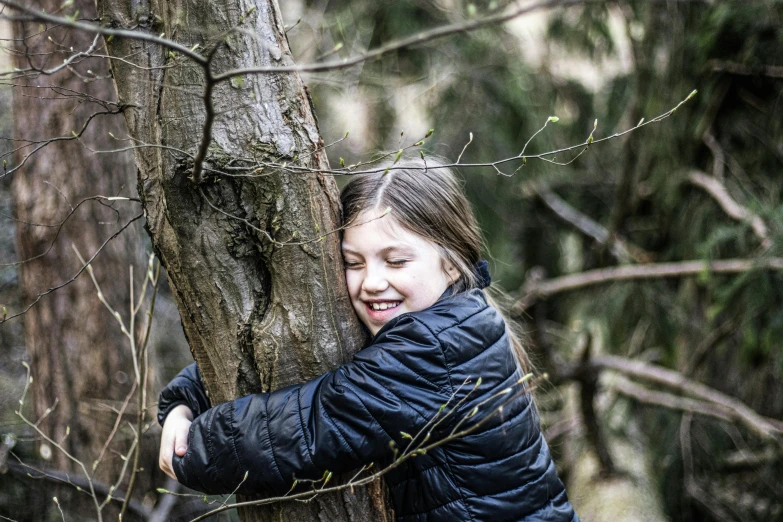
x=553, y=119
x=342, y=162
x=398, y=156
x=429, y=133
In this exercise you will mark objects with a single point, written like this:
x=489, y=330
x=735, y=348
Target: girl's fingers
x=181, y=438
x=174, y=438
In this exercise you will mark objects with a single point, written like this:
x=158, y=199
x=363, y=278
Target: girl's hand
x=174, y=438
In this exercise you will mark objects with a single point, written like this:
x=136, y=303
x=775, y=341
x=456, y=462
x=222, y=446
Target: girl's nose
x=374, y=281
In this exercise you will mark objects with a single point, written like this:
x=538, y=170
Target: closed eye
x=350, y=265
x=397, y=262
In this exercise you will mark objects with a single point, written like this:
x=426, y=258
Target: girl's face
x=390, y=270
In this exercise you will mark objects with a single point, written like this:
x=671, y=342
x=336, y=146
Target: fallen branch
x=718, y=191
x=535, y=289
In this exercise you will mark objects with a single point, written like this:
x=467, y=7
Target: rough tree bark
x=257, y=315
x=78, y=355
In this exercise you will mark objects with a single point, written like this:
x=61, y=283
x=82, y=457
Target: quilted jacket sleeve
x=186, y=388
x=337, y=422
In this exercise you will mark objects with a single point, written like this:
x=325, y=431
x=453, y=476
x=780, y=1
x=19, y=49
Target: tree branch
x=410, y=41
x=718, y=191
x=75, y=276
x=772, y=71
x=667, y=400
x=40, y=16
x=734, y=409
x=58, y=477
x=534, y=290
x=622, y=250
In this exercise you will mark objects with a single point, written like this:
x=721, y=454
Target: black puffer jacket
x=346, y=418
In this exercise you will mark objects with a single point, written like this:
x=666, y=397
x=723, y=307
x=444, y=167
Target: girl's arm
x=337, y=422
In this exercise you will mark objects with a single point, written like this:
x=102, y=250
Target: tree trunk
x=258, y=315
x=80, y=360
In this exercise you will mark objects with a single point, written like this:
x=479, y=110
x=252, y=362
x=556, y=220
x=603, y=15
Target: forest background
x=703, y=184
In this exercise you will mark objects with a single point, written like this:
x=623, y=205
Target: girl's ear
x=451, y=270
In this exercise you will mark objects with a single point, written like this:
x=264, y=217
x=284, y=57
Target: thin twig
x=75, y=276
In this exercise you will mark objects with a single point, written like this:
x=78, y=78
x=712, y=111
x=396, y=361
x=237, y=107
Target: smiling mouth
x=380, y=307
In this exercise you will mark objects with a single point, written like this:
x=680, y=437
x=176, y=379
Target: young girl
x=414, y=277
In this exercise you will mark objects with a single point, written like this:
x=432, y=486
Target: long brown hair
x=428, y=200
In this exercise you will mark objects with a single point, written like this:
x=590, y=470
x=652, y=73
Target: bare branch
x=772, y=71
x=58, y=477
x=39, y=16
x=534, y=290
x=667, y=400
x=622, y=250
x=410, y=41
x=353, y=169
x=74, y=136
x=718, y=191
x=59, y=225
x=72, y=279
x=767, y=429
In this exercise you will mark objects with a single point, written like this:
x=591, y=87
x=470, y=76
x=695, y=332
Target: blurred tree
x=80, y=360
